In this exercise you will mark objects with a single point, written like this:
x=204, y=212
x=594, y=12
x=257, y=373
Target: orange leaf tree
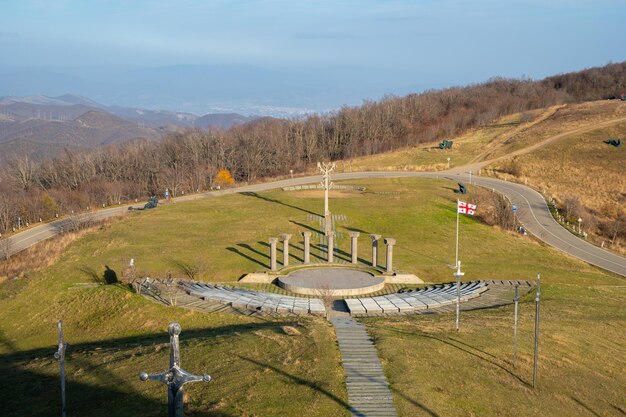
x=223, y=178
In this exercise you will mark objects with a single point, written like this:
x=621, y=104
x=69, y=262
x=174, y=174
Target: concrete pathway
x=368, y=389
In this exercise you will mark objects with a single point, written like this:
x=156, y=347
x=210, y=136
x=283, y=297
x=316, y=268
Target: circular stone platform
x=337, y=282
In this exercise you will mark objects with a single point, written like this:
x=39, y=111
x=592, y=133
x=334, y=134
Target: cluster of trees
x=189, y=160
x=606, y=82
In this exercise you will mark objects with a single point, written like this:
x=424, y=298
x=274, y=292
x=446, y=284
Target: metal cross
x=175, y=377
x=60, y=354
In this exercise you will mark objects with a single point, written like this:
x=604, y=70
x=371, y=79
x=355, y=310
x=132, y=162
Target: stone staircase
x=368, y=389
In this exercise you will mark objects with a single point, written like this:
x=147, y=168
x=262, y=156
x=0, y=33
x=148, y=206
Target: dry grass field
x=258, y=368
x=585, y=176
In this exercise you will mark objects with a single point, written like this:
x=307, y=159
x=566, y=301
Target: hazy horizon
x=278, y=56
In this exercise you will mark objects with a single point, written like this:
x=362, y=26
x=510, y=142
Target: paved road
x=533, y=214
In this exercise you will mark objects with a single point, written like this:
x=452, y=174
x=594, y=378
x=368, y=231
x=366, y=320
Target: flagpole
x=456, y=261
x=458, y=271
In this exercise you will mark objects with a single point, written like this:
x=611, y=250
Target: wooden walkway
x=368, y=390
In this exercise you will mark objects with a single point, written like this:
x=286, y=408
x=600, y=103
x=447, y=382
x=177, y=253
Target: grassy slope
x=435, y=371
x=430, y=157
x=580, y=165
x=257, y=369
x=566, y=118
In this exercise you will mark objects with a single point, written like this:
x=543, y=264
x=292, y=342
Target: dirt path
x=491, y=147
x=476, y=164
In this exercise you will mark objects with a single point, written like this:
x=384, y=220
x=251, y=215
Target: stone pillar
x=285, y=237
x=331, y=246
x=353, y=246
x=390, y=242
x=307, y=246
x=273, y=242
x=375, y=239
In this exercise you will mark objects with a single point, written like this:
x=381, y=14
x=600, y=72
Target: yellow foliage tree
x=224, y=177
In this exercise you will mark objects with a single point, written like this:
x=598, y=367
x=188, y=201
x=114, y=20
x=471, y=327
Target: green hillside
x=257, y=368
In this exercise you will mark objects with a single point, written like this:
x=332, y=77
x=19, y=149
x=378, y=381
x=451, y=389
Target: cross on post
x=174, y=377
x=60, y=354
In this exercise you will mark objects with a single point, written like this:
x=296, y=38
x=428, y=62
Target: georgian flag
x=465, y=208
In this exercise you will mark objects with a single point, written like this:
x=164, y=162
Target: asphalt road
x=532, y=213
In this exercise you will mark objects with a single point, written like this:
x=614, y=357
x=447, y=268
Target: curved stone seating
x=414, y=300
x=245, y=299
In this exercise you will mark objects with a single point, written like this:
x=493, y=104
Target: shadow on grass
x=272, y=200
x=299, y=381
x=37, y=394
x=585, y=406
x=109, y=276
x=247, y=256
x=141, y=340
x=354, y=229
x=311, y=254
x=415, y=403
x=463, y=347
x=337, y=253
x=310, y=228
x=291, y=252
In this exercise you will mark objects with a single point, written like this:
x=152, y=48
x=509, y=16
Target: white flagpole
x=456, y=261
x=458, y=271
x=458, y=274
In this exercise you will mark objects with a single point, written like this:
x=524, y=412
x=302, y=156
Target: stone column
x=273, y=242
x=285, y=237
x=353, y=246
x=331, y=246
x=390, y=242
x=307, y=246
x=375, y=239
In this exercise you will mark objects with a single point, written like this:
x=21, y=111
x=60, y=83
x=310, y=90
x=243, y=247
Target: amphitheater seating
x=245, y=299
x=415, y=300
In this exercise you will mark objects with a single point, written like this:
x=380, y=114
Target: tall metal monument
x=174, y=377
x=326, y=168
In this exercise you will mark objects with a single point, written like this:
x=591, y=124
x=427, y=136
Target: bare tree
x=77, y=222
x=23, y=170
x=326, y=294
x=6, y=248
x=192, y=269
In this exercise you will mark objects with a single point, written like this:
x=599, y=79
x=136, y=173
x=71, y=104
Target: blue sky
x=428, y=42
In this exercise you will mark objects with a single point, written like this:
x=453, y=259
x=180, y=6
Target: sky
x=419, y=43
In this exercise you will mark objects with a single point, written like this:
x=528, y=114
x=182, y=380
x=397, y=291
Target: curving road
x=533, y=214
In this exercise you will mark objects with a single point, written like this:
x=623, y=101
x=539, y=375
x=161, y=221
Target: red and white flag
x=466, y=208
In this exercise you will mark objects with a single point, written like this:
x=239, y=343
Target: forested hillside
x=188, y=161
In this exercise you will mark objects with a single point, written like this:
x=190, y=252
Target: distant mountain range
x=41, y=126
x=228, y=88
